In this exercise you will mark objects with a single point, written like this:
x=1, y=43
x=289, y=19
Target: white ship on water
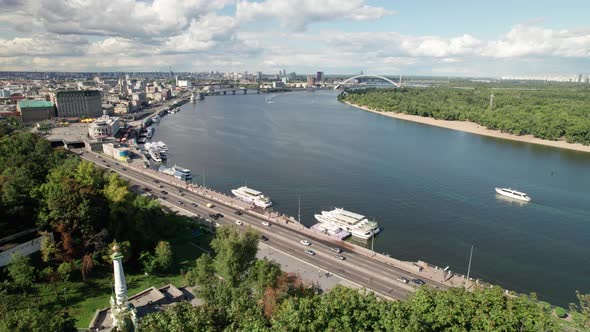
x=157, y=151
x=252, y=196
x=156, y=118
x=508, y=192
x=356, y=224
x=150, y=132
x=192, y=97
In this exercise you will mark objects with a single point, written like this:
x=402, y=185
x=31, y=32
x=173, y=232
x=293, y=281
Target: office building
x=78, y=104
x=310, y=81
x=33, y=111
x=319, y=77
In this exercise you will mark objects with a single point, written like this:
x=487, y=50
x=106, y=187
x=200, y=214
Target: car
x=108, y=165
x=124, y=168
x=402, y=279
x=239, y=223
x=209, y=205
x=340, y=257
x=160, y=186
x=310, y=252
x=194, y=204
x=419, y=282
x=264, y=237
x=164, y=192
x=146, y=189
x=179, y=202
x=238, y=213
x=116, y=164
x=219, y=215
x=305, y=242
x=213, y=216
x=336, y=250
x=181, y=194
x=265, y=223
x=156, y=181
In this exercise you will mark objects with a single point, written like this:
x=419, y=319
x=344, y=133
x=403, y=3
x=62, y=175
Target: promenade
x=433, y=275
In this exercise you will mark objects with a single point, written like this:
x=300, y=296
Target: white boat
x=156, y=118
x=356, y=224
x=162, y=146
x=153, y=152
x=509, y=192
x=192, y=97
x=252, y=196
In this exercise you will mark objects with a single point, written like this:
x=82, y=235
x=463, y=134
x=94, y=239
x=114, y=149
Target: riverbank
x=474, y=128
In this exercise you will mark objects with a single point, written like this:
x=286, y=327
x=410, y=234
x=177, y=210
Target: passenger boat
x=252, y=196
x=508, y=192
x=356, y=224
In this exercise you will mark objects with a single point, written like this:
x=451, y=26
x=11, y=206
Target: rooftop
x=26, y=103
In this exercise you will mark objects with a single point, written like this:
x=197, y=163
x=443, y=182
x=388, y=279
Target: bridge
x=397, y=85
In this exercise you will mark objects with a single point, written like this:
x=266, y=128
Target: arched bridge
x=371, y=76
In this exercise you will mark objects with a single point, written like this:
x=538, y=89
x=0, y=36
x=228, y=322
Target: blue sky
x=456, y=38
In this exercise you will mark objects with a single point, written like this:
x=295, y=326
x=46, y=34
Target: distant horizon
x=431, y=38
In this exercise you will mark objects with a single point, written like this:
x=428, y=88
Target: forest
x=546, y=112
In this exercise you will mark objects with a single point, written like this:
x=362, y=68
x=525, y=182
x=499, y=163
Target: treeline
x=244, y=294
x=85, y=208
x=550, y=113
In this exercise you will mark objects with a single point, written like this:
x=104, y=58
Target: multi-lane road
x=356, y=268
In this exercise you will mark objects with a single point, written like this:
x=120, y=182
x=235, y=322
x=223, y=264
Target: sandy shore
x=474, y=128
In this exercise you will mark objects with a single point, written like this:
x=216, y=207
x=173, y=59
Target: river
x=431, y=189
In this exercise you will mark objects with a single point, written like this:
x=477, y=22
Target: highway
x=356, y=268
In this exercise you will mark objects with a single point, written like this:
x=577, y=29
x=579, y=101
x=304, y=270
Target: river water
x=431, y=189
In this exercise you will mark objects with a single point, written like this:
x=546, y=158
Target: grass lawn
x=85, y=297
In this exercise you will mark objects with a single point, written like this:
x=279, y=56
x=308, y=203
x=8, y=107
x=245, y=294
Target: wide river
x=431, y=189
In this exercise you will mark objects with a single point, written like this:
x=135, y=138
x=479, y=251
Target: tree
x=263, y=274
x=20, y=270
x=148, y=262
x=183, y=317
x=202, y=273
x=65, y=270
x=163, y=256
x=234, y=252
x=49, y=249
x=583, y=310
x=35, y=320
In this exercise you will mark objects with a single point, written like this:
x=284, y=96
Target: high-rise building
x=259, y=76
x=310, y=81
x=319, y=77
x=78, y=104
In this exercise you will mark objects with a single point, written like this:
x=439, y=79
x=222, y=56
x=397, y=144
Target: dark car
x=238, y=213
x=156, y=181
x=219, y=215
x=116, y=164
x=124, y=168
x=418, y=282
x=264, y=238
x=213, y=216
x=164, y=192
x=194, y=204
x=340, y=257
x=146, y=189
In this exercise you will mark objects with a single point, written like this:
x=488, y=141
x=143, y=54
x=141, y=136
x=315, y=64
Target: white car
x=239, y=223
x=266, y=223
x=305, y=242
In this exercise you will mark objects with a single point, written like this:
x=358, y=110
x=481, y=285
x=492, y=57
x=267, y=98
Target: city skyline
x=337, y=37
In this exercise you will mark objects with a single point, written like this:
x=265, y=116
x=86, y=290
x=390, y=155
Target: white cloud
x=44, y=45
x=297, y=14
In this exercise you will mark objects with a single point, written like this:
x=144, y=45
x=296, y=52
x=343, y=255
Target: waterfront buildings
x=116, y=151
x=310, y=81
x=104, y=127
x=33, y=111
x=78, y=103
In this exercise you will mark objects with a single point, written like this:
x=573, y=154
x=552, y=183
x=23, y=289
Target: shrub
x=560, y=312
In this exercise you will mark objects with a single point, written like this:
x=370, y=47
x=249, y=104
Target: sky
x=418, y=37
